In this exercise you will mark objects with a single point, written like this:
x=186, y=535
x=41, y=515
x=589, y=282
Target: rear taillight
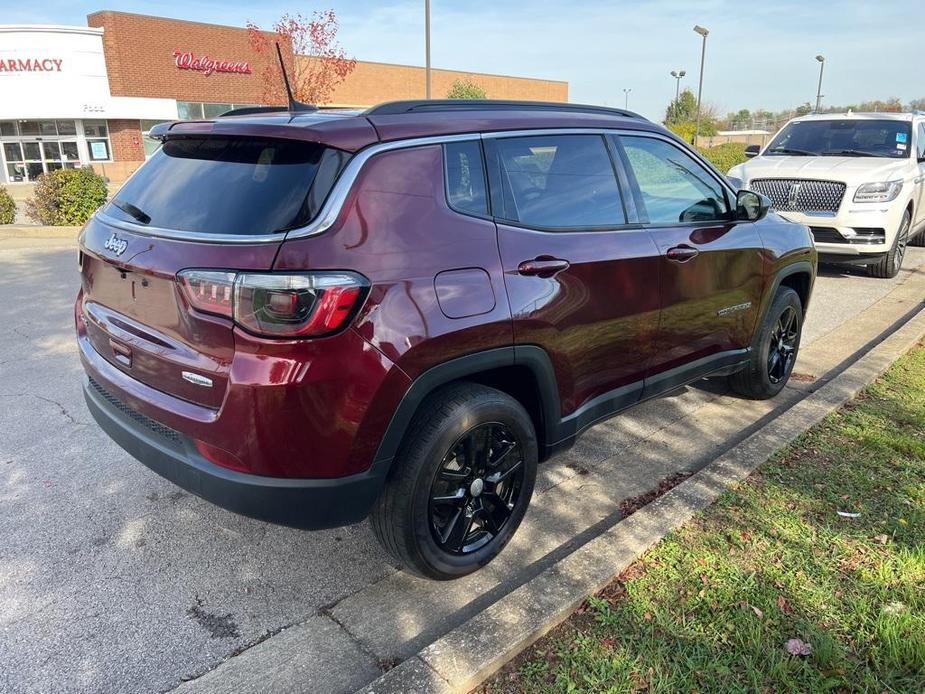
x=307, y=304
x=208, y=290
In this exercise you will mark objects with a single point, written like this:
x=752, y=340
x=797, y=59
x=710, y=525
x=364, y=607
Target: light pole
x=626, y=98
x=821, y=59
x=703, y=54
x=677, y=74
x=427, y=48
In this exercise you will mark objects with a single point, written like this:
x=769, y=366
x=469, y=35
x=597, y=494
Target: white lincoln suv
x=855, y=179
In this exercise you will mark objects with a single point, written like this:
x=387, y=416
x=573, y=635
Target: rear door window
x=558, y=182
x=224, y=185
x=674, y=188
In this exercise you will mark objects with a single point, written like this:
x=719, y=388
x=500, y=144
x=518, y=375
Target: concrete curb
x=468, y=655
x=35, y=231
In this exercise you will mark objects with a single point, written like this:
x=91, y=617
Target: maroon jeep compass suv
x=315, y=317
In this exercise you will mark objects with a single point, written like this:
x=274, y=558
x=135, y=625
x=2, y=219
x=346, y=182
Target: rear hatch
x=208, y=202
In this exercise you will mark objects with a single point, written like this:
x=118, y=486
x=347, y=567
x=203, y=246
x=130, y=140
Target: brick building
x=74, y=96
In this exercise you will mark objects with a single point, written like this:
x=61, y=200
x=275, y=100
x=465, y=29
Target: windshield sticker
x=900, y=147
x=901, y=137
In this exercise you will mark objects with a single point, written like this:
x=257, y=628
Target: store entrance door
x=27, y=159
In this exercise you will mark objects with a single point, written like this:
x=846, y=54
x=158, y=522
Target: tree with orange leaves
x=320, y=64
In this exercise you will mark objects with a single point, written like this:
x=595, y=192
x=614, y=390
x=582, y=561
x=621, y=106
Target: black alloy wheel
x=783, y=346
x=476, y=488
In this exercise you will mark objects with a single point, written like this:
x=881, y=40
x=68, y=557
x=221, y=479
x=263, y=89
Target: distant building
x=74, y=96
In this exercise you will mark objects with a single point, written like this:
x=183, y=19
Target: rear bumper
x=300, y=503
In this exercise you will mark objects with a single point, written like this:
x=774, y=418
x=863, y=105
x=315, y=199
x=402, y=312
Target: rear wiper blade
x=849, y=153
x=788, y=150
x=132, y=211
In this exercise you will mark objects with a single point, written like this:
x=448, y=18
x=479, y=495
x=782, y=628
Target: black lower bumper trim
x=311, y=504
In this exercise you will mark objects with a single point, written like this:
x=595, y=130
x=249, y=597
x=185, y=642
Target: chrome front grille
x=801, y=195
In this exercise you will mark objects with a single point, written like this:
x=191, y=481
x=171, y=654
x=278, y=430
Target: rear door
x=199, y=202
x=710, y=271
x=582, y=279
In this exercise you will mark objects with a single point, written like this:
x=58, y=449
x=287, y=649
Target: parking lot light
x=626, y=98
x=703, y=54
x=821, y=59
x=678, y=74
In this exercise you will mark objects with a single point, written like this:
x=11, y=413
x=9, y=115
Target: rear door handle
x=544, y=266
x=681, y=254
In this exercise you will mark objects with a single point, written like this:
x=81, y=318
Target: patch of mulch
x=629, y=506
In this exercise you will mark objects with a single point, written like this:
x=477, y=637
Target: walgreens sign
x=187, y=60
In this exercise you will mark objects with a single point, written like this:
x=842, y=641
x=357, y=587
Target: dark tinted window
x=222, y=185
x=846, y=137
x=465, y=177
x=559, y=181
x=675, y=188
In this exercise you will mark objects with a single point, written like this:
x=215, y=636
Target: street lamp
x=821, y=59
x=427, y=48
x=703, y=54
x=626, y=98
x=677, y=74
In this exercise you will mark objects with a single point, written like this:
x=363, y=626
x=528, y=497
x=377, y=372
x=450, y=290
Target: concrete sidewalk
x=576, y=503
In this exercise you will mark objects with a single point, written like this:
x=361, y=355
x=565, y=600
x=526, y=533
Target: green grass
x=711, y=606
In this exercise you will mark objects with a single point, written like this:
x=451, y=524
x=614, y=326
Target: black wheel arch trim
x=530, y=356
x=794, y=268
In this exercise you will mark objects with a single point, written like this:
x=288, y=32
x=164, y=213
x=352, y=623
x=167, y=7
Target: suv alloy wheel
x=889, y=265
x=774, y=351
x=461, y=484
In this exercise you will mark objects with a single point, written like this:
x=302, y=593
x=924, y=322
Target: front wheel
x=461, y=483
x=890, y=263
x=774, y=350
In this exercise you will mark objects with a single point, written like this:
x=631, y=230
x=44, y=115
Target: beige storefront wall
x=372, y=83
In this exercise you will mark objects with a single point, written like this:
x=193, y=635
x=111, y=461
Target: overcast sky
x=761, y=56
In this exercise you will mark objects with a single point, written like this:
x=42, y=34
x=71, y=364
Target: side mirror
x=752, y=151
x=751, y=206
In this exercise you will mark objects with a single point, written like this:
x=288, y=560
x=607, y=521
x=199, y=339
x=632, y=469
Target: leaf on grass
x=758, y=612
x=783, y=605
x=846, y=514
x=798, y=647
x=882, y=539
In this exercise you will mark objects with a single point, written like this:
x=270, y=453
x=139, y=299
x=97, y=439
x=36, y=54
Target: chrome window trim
x=627, y=132
x=329, y=211
x=338, y=195
x=341, y=189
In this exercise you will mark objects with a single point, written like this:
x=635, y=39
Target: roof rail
x=250, y=110
x=392, y=108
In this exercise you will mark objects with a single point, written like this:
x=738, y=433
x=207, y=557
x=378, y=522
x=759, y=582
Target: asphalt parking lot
x=112, y=579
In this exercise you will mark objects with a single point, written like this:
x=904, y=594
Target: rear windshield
x=843, y=138
x=223, y=185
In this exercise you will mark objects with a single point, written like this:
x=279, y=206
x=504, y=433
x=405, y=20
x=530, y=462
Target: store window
x=151, y=146
x=197, y=110
x=97, y=134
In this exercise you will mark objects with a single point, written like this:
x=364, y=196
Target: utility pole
x=427, y=89
x=703, y=54
x=821, y=60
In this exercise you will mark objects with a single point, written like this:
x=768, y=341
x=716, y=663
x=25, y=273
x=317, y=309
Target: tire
x=441, y=515
x=918, y=240
x=764, y=378
x=888, y=266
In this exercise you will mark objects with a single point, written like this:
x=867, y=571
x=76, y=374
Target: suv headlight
x=878, y=192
